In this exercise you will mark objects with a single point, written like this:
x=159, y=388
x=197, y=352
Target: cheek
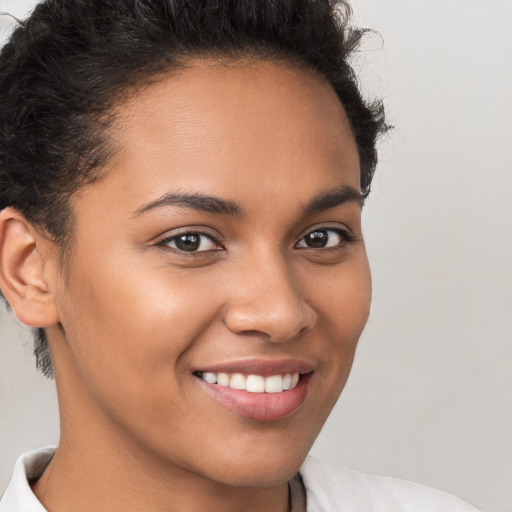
x=343, y=298
x=345, y=307
x=128, y=336
x=143, y=321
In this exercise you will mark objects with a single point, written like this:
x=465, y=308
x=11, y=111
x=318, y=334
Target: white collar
x=19, y=496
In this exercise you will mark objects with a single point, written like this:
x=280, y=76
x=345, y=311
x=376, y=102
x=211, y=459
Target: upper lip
x=263, y=367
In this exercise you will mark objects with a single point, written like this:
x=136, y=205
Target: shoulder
x=328, y=487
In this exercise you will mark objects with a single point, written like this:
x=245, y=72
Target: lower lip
x=260, y=406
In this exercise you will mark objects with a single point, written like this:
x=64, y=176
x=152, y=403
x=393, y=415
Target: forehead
x=230, y=129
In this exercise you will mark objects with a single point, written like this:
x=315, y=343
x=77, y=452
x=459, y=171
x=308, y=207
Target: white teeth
x=253, y=383
x=274, y=384
x=237, y=381
x=210, y=377
x=223, y=379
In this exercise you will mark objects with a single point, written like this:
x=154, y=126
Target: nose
x=266, y=301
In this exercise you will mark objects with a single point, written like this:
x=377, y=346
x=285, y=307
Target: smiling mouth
x=265, y=398
x=252, y=383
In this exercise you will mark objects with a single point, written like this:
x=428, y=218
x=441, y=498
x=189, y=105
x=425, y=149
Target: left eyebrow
x=332, y=198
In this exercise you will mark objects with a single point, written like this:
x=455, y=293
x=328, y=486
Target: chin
x=257, y=466
x=260, y=473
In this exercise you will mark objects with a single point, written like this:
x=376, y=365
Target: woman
x=181, y=188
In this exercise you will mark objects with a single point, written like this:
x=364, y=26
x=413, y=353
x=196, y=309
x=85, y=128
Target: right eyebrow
x=208, y=204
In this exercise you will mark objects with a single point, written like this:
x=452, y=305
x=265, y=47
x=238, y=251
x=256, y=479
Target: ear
x=27, y=269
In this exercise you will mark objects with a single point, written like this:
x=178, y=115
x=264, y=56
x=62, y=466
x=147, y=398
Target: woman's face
x=223, y=250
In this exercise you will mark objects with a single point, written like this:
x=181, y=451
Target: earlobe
x=24, y=276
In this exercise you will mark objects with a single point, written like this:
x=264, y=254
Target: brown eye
x=324, y=238
x=192, y=242
x=317, y=239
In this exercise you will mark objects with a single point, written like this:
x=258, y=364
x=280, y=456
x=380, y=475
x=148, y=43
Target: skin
x=134, y=317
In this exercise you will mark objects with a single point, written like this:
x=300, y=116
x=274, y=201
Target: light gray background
x=430, y=396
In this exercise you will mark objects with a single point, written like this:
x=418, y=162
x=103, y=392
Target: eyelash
x=345, y=236
x=166, y=241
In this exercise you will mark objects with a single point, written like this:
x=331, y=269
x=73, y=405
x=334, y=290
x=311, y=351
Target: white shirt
x=327, y=489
